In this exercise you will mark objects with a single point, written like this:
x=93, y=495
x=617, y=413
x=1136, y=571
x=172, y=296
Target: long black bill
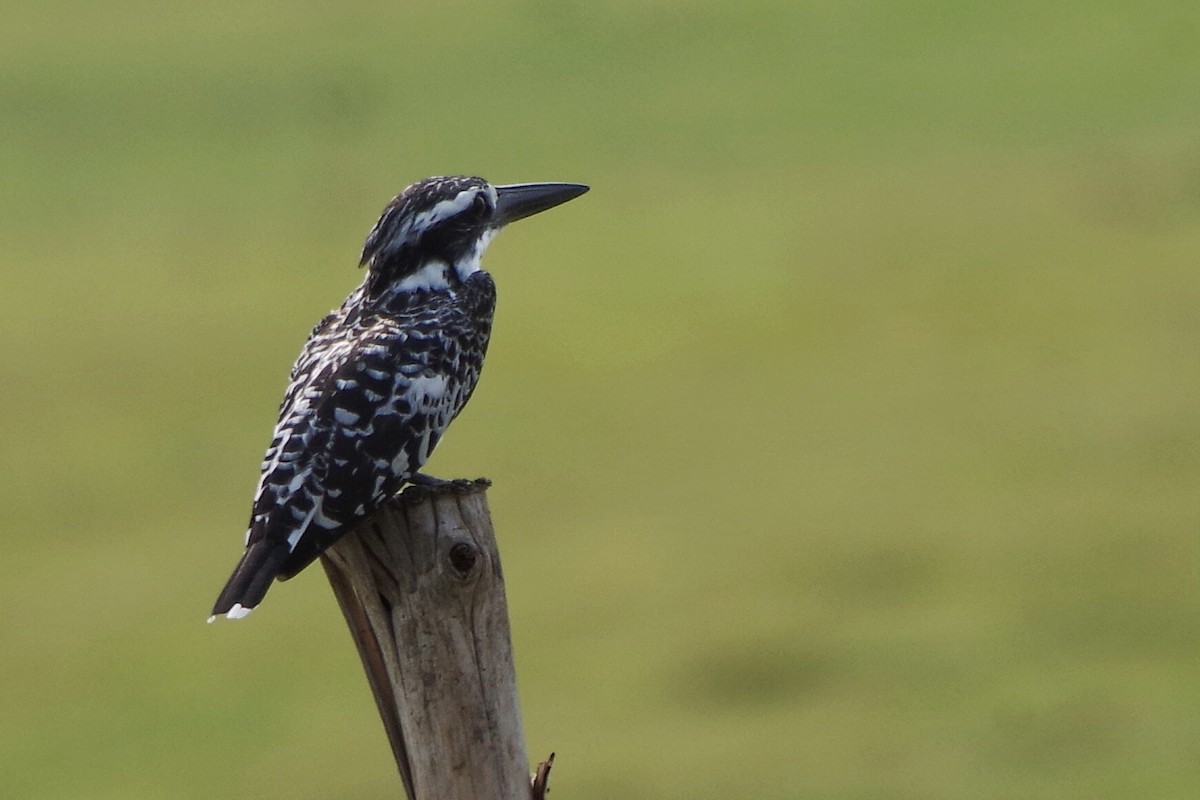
x=520, y=200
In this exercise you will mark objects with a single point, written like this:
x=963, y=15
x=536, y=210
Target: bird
x=381, y=377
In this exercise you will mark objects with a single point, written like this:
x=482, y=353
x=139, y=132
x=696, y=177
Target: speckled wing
x=360, y=421
x=369, y=397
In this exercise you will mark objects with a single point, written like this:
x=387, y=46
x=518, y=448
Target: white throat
x=434, y=273
x=430, y=277
x=470, y=263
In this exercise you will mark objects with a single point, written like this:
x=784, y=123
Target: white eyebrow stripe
x=443, y=210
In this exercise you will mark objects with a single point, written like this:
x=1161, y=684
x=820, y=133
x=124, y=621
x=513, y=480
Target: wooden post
x=421, y=589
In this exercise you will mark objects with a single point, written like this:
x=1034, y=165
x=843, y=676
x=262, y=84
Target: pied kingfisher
x=380, y=378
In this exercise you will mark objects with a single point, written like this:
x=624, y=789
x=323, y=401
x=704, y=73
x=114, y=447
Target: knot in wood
x=464, y=558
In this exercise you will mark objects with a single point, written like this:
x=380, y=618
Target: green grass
x=845, y=438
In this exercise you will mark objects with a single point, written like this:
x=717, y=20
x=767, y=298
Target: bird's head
x=435, y=231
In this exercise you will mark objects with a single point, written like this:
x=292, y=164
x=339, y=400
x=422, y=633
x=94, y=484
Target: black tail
x=250, y=581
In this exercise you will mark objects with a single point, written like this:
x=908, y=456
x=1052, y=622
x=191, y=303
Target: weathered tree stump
x=421, y=589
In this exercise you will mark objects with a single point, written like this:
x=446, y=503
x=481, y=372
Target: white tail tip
x=237, y=612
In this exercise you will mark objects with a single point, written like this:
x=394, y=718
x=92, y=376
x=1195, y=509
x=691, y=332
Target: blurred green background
x=845, y=438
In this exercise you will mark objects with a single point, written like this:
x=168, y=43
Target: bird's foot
x=441, y=484
x=429, y=481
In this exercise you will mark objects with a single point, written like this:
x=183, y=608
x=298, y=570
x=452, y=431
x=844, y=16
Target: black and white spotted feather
x=381, y=377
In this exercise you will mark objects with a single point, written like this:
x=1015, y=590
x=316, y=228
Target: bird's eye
x=480, y=206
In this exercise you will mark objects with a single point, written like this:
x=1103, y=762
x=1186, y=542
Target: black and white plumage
x=382, y=376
